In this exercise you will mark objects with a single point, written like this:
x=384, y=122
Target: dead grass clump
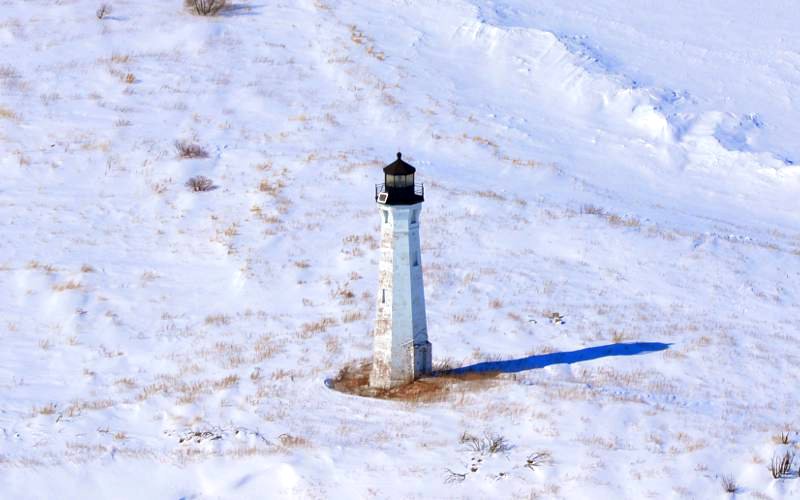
x=592, y=210
x=290, y=441
x=618, y=337
x=728, y=484
x=781, y=438
x=218, y=319
x=612, y=219
x=354, y=379
x=48, y=409
x=265, y=348
x=443, y=365
x=491, y=195
x=488, y=444
x=271, y=188
x=8, y=114
x=351, y=316
x=126, y=382
x=226, y=382
x=332, y=344
x=103, y=11
x=496, y=304
x=69, y=285
x=780, y=465
x=616, y=220
x=538, y=459
x=307, y=330
x=206, y=7
x=200, y=183
x=188, y=150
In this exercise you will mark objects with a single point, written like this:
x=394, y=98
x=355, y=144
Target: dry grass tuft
x=780, y=465
x=48, y=409
x=354, y=379
x=8, y=114
x=200, y=184
x=217, y=319
x=206, y=7
x=103, y=11
x=188, y=150
x=308, y=330
x=290, y=441
x=728, y=484
x=69, y=285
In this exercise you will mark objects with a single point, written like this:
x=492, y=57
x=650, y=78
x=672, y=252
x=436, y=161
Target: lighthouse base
x=406, y=364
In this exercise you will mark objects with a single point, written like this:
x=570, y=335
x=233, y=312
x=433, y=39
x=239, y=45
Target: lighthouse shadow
x=555, y=358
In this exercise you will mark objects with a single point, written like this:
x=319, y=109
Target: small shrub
x=728, y=484
x=200, y=183
x=453, y=477
x=206, y=7
x=537, y=459
x=48, y=409
x=780, y=466
x=188, y=150
x=488, y=444
x=290, y=441
x=103, y=11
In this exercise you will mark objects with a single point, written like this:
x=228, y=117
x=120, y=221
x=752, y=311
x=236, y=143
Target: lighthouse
x=402, y=351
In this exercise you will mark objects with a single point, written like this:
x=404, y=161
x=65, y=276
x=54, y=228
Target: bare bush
x=200, y=183
x=188, y=150
x=537, y=459
x=103, y=11
x=488, y=444
x=206, y=7
x=454, y=477
x=780, y=466
x=728, y=484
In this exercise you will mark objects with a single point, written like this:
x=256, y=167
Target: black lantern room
x=398, y=187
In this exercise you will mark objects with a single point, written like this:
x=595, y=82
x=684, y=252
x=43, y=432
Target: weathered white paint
x=402, y=350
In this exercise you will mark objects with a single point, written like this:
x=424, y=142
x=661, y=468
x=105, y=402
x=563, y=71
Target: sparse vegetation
x=781, y=465
x=728, y=484
x=488, y=444
x=537, y=459
x=103, y=11
x=454, y=477
x=206, y=7
x=200, y=183
x=189, y=150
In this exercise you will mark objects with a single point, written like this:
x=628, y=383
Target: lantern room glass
x=399, y=181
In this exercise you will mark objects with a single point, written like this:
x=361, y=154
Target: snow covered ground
x=630, y=166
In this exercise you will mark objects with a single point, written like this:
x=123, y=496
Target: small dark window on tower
x=413, y=216
x=416, y=259
x=383, y=296
x=385, y=216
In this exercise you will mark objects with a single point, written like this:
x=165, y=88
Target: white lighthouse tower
x=402, y=350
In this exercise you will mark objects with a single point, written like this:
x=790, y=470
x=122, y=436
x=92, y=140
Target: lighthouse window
x=385, y=216
x=416, y=258
x=383, y=296
x=413, y=216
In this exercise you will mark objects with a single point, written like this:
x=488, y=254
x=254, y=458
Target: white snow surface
x=630, y=165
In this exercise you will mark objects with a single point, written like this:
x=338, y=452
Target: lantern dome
x=398, y=187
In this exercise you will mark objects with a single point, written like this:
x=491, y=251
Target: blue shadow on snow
x=555, y=358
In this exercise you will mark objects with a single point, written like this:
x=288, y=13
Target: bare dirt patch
x=354, y=379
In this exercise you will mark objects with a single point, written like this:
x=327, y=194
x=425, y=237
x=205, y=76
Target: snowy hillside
x=632, y=167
